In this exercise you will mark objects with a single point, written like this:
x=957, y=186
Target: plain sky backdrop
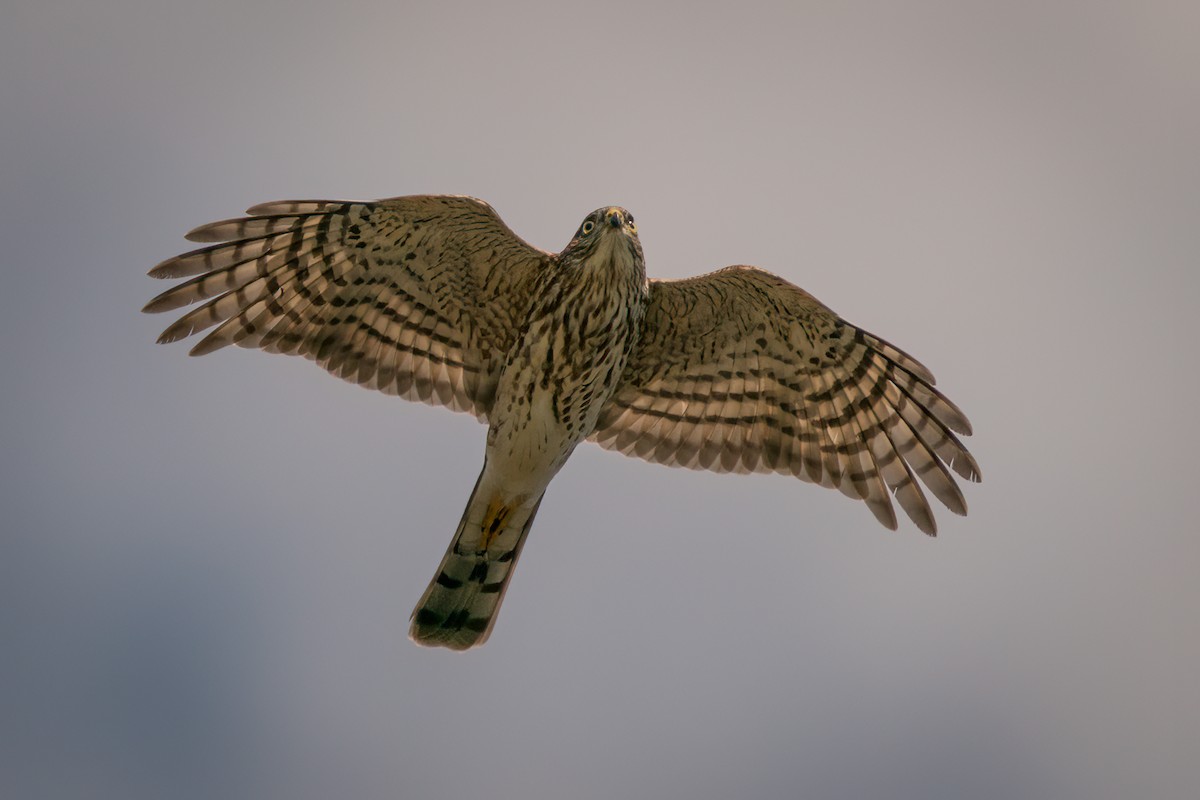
x=207, y=565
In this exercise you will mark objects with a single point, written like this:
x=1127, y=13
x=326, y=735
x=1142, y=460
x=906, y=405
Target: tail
x=459, y=608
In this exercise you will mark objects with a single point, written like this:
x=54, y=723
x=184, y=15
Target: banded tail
x=458, y=609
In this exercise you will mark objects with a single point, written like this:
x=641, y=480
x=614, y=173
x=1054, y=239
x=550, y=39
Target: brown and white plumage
x=412, y=296
x=433, y=298
x=740, y=371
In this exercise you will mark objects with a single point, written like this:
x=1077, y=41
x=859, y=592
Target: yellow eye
x=587, y=228
x=632, y=226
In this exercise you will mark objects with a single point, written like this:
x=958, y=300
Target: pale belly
x=528, y=450
x=543, y=417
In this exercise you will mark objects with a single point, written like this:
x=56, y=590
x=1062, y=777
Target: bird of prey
x=434, y=298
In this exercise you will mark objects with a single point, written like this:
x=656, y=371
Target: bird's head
x=608, y=233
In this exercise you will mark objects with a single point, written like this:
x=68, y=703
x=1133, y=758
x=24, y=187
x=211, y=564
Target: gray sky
x=208, y=564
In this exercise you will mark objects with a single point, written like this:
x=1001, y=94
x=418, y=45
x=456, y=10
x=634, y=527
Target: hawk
x=434, y=298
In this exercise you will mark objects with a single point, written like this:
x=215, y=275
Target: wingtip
x=292, y=207
x=957, y=421
x=202, y=234
x=172, y=334
x=162, y=302
x=967, y=468
x=208, y=344
x=164, y=269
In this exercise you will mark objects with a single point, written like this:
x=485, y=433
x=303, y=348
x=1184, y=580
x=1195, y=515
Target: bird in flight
x=434, y=298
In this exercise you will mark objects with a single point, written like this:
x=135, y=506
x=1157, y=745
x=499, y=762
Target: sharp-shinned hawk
x=434, y=298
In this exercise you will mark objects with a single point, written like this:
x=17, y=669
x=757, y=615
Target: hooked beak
x=613, y=215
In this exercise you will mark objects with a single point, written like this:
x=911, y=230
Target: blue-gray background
x=208, y=564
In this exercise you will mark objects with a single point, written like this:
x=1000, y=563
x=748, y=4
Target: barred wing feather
x=417, y=296
x=740, y=371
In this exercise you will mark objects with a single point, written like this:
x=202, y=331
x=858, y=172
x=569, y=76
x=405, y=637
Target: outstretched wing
x=741, y=371
x=415, y=296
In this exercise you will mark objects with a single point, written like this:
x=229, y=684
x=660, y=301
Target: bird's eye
x=629, y=221
x=587, y=228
